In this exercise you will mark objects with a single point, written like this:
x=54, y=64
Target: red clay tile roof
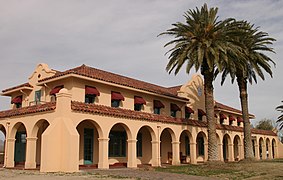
x=28, y=110
x=119, y=112
x=130, y=114
x=19, y=86
x=174, y=89
x=225, y=107
x=116, y=79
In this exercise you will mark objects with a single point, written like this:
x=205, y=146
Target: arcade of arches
x=65, y=140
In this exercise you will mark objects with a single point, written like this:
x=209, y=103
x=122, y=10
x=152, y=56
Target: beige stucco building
x=61, y=121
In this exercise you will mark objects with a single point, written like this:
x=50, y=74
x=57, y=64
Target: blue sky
x=121, y=37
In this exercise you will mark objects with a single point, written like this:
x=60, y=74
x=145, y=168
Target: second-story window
x=90, y=94
x=222, y=118
x=188, y=112
x=231, y=119
x=54, y=91
x=116, y=98
x=17, y=101
x=157, y=105
x=201, y=113
x=138, y=103
x=37, y=97
x=174, y=108
x=239, y=120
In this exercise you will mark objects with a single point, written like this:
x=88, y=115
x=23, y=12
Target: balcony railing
x=32, y=103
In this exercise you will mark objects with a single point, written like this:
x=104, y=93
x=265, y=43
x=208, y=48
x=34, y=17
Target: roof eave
x=9, y=92
x=111, y=84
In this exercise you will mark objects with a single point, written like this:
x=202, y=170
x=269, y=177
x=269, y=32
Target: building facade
x=61, y=121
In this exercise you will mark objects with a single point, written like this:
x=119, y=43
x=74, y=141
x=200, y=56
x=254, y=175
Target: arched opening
x=185, y=149
x=88, y=143
x=2, y=145
x=225, y=147
x=236, y=148
x=267, y=146
x=20, y=134
x=38, y=130
x=260, y=147
x=118, y=145
x=144, y=146
x=166, y=146
x=200, y=142
x=273, y=148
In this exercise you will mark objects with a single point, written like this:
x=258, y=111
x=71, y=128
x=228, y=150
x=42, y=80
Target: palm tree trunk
x=248, y=148
x=211, y=123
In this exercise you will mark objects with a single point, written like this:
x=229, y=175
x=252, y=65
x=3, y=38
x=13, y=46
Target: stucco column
x=155, y=161
x=132, y=153
x=257, y=152
x=30, y=153
x=231, y=152
x=221, y=151
x=176, y=153
x=10, y=152
x=193, y=153
x=275, y=151
x=60, y=141
x=103, y=153
x=205, y=151
x=270, y=152
x=263, y=151
x=241, y=151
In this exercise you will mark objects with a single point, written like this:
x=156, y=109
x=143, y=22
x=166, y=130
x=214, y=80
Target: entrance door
x=20, y=147
x=88, y=146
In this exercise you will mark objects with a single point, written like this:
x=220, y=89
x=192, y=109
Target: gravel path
x=95, y=174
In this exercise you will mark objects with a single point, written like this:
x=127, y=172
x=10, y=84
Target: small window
x=53, y=98
x=18, y=105
x=187, y=115
x=138, y=107
x=199, y=117
x=157, y=110
x=89, y=98
x=221, y=121
x=239, y=123
x=173, y=113
x=230, y=123
x=37, y=97
x=115, y=103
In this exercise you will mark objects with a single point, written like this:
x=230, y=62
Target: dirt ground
x=95, y=174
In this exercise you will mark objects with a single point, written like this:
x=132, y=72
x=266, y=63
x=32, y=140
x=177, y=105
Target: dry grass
x=269, y=169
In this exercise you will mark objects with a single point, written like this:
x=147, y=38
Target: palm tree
x=203, y=42
x=254, y=42
x=280, y=118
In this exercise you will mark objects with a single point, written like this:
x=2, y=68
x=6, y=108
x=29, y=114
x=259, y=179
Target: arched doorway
x=166, y=152
x=118, y=145
x=267, y=146
x=273, y=148
x=38, y=130
x=200, y=146
x=20, y=134
x=144, y=146
x=225, y=147
x=185, y=149
x=236, y=148
x=260, y=148
x=88, y=143
x=2, y=144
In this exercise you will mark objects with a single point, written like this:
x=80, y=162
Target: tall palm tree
x=280, y=118
x=203, y=42
x=254, y=43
